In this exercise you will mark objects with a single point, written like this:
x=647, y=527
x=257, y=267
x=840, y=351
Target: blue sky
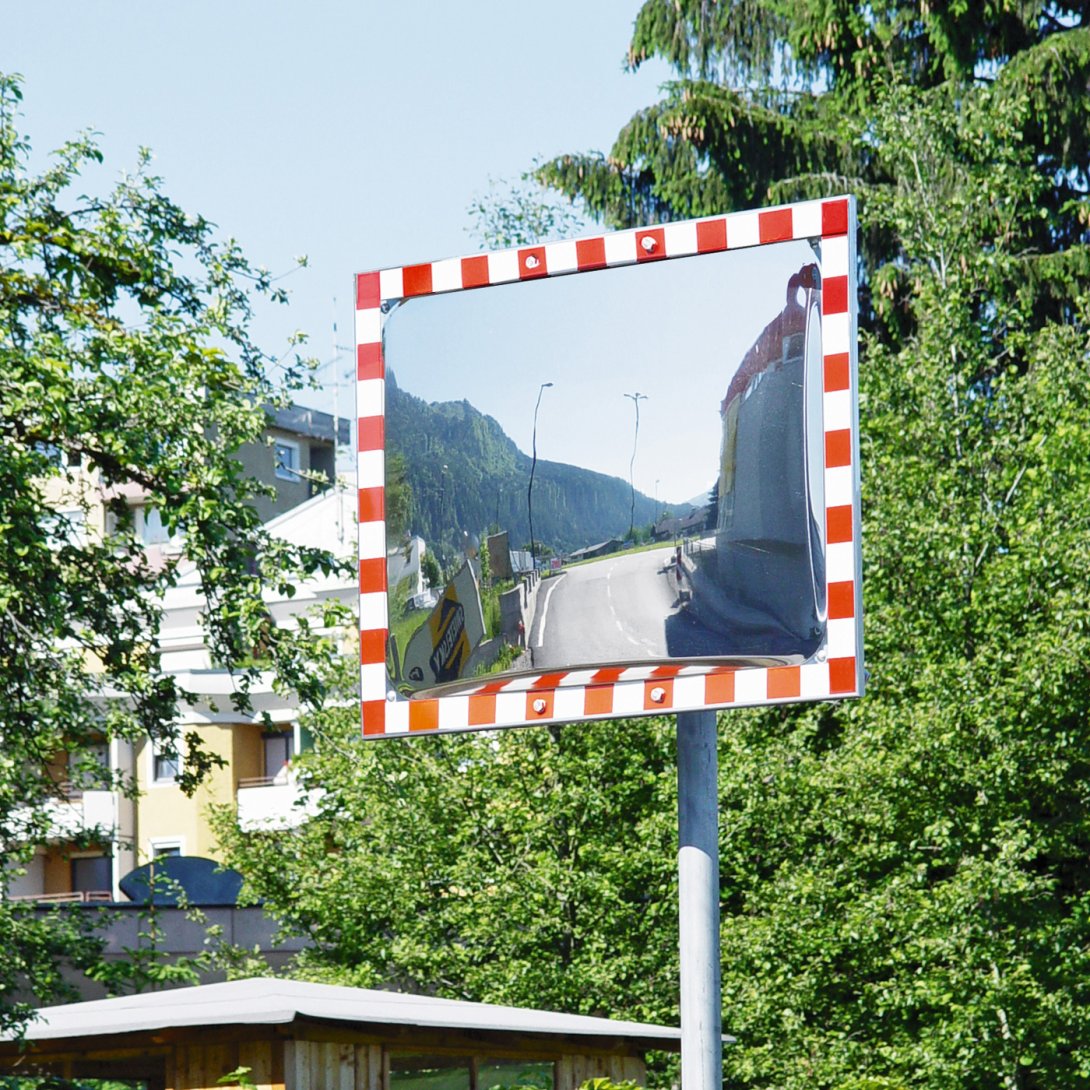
x=358, y=134
x=674, y=331
x=354, y=133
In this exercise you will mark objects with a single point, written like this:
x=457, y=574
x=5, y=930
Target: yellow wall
x=248, y=752
x=76, y=488
x=164, y=812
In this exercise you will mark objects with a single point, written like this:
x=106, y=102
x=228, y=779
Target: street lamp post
x=530, y=489
x=442, y=501
x=636, y=398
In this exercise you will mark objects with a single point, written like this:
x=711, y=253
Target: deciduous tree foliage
x=905, y=879
x=125, y=362
x=527, y=867
x=905, y=888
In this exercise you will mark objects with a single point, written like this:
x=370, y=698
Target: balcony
x=267, y=803
x=78, y=811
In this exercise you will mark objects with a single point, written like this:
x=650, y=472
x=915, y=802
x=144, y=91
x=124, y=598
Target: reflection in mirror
x=609, y=468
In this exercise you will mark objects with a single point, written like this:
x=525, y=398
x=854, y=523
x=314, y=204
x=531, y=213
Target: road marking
x=613, y=610
x=553, y=582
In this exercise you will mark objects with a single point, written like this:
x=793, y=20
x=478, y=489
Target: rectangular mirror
x=611, y=476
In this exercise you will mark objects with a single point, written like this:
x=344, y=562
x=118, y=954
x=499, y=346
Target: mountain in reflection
x=465, y=473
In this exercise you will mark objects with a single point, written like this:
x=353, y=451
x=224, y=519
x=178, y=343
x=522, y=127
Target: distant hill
x=483, y=487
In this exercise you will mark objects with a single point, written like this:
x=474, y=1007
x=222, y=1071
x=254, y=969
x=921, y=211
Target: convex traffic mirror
x=611, y=473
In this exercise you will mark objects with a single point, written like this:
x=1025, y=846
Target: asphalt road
x=617, y=609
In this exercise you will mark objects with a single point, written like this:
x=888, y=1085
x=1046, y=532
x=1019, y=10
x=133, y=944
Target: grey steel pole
x=530, y=489
x=636, y=398
x=698, y=901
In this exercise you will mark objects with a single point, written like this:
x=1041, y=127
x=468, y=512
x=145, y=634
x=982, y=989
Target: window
x=67, y=527
x=279, y=746
x=286, y=459
x=57, y=457
x=148, y=523
x=91, y=874
x=493, y=1074
x=165, y=849
x=421, y=1072
x=165, y=765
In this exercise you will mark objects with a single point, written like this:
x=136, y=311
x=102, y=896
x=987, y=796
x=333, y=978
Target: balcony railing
x=256, y=781
x=82, y=810
x=72, y=812
x=78, y=896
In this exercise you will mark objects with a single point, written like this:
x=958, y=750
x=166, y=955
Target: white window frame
x=154, y=751
x=159, y=844
x=73, y=522
x=292, y=472
x=142, y=528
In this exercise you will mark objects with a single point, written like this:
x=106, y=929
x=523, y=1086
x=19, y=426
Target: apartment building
x=255, y=747
x=295, y=460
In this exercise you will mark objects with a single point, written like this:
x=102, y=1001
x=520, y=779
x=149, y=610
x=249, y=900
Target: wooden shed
x=297, y=1036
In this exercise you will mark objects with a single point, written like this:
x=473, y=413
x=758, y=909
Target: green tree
x=125, y=362
x=528, y=867
x=399, y=496
x=771, y=101
x=432, y=575
x=521, y=213
x=905, y=879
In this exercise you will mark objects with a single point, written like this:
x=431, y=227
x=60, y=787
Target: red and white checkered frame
x=836, y=671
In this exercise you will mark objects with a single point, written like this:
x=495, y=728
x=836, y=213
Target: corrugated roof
x=270, y=1001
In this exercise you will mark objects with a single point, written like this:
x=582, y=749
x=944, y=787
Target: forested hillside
x=464, y=473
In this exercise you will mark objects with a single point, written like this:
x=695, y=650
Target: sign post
x=698, y=901
x=747, y=593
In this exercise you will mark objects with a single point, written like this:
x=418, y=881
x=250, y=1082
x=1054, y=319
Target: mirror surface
x=608, y=468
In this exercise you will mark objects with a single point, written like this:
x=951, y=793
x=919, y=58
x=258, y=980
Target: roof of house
x=272, y=1001
x=310, y=423
x=587, y=550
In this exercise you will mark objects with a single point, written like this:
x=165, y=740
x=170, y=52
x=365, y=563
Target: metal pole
x=530, y=489
x=636, y=398
x=698, y=901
